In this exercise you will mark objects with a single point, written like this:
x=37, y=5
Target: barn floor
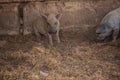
x=78, y=57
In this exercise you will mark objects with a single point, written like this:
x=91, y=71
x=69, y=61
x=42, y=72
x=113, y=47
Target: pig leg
x=115, y=34
x=58, y=37
x=50, y=39
x=38, y=36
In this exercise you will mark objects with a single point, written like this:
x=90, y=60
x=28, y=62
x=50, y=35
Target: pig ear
x=58, y=16
x=44, y=15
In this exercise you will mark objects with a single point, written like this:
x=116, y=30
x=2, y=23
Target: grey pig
x=48, y=25
x=110, y=25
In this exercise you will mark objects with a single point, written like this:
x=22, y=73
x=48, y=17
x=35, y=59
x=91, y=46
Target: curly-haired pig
x=47, y=25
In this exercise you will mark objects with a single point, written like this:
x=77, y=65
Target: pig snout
x=101, y=37
x=53, y=31
x=98, y=31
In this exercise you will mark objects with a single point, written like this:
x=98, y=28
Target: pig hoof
x=51, y=44
x=38, y=41
x=113, y=41
x=58, y=42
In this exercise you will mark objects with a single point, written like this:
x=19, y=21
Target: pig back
x=41, y=25
x=112, y=18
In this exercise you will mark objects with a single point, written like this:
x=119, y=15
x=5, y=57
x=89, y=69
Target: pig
x=109, y=26
x=47, y=25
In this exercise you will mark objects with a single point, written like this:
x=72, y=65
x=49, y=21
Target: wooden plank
x=17, y=1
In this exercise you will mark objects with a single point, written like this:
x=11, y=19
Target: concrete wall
x=9, y=19
x=79, y=13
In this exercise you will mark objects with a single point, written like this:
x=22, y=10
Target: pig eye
x=48, y=23
x=56, y=23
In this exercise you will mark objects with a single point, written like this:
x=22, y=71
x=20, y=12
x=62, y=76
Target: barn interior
x=79, y=56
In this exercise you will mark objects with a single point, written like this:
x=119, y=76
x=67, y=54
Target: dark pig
x=110, y=25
